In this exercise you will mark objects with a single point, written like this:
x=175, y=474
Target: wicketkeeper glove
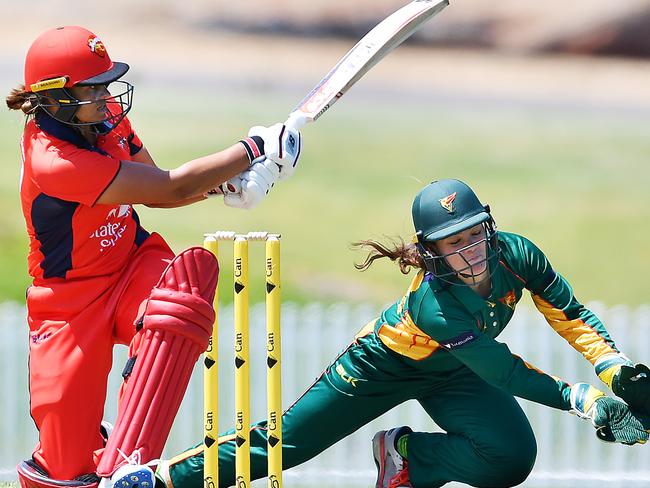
x=613, y=419
x=628, y=381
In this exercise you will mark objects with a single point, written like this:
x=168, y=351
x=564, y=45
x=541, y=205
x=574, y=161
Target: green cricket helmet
x=444, y=208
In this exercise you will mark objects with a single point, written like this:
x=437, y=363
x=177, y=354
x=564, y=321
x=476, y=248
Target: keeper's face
x=465, y=252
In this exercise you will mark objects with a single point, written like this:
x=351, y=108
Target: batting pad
x=177, y=324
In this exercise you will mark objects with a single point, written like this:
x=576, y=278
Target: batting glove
x=281, y=145
x=613, y=419
x=254, y=185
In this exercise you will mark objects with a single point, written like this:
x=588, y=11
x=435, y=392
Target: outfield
x=574, y=181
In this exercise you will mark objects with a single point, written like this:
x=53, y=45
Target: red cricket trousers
x=74, y=325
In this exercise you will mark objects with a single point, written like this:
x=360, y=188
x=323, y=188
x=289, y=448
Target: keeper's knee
x=510, y=462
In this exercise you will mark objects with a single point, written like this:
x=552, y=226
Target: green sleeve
x=554, y=298
x=496, y=364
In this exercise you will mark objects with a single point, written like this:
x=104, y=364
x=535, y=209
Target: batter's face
x=93, y=112
x=465, y=253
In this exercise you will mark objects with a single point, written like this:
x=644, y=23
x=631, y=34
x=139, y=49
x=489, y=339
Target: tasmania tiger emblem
x=448, y=202
x=509, y=300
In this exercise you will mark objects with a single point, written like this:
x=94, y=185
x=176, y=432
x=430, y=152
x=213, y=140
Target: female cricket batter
x=437, y=344
x=95, y=269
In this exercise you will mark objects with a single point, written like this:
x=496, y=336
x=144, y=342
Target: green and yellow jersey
x=441, y=327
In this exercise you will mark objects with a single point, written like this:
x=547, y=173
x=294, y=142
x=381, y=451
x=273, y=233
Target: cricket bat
x=371, y=49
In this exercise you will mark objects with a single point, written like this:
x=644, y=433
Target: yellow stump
x=211, y=392
x=242, y=360
x=273, y=362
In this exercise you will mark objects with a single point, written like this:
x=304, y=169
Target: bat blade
x=371, y=49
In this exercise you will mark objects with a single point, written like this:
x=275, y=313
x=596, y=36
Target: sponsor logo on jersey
x=38, y=338
x=340, y=370
x=111, y=232
x=119, y=212
x=461, y=340
x=448, y=202
x=97, y=46
x=509, y=300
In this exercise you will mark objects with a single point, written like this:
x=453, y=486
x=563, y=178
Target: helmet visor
x=115, y=73
x=452, y=229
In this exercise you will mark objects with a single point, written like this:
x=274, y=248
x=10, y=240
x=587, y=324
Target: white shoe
x=392, y=468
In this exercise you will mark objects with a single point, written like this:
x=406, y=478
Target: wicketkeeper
x=99, y=278
x=438, y=344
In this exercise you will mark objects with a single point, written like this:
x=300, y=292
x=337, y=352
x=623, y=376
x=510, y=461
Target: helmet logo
x=509, y=300
x=448, y=202
x=97, y=46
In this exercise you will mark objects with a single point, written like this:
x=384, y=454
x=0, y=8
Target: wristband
x=254, y=146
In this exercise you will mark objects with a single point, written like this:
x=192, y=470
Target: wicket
x=242, y=378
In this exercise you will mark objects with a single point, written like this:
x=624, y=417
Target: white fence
x=312, y=336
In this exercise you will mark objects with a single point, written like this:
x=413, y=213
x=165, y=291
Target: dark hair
x=21, y=99
x=406, y=255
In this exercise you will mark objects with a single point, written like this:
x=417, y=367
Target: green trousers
x=488, y=442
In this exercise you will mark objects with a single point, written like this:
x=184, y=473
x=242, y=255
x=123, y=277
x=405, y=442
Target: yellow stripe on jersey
x=528, y=365
x=198, y=450
x=366, y=329
x=415, y=284
x=582, y=337
x=407, y=339
x=226, y=438
x=186, y=454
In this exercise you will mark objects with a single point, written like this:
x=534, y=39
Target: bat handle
x=297, y=120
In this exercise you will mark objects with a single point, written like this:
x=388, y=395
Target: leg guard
x=177, y=324
x=31, y=475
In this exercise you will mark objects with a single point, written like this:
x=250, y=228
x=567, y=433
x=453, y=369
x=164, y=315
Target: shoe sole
x=378, y=453
x=137, y=479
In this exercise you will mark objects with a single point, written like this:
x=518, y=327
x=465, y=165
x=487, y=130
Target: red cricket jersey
x=62, y=178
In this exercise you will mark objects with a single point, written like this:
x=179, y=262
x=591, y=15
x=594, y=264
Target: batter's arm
x=143, y=156
x=143, y=183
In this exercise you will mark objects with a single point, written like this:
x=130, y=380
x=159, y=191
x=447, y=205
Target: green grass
x=576, y=185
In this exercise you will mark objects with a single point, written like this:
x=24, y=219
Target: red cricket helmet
x=71, y=52
x=63, y=57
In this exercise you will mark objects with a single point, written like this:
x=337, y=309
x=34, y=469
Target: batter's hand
x=281, y=145
x=256, y=183
x=233, y=185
